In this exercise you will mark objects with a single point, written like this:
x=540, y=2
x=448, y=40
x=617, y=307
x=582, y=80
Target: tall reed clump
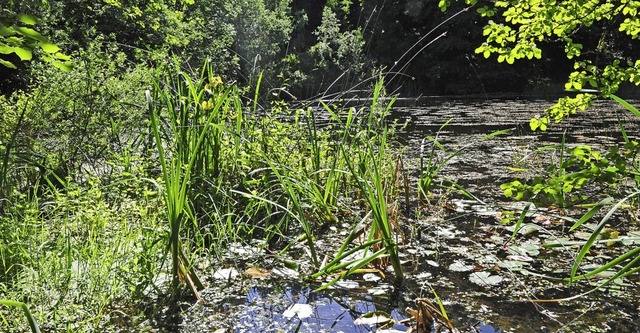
x=364, y=150
x=189, y=148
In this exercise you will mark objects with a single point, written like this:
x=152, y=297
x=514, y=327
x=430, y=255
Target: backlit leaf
x=7, y=64
x=5, y=49
x=23, y=53
x=61, y=56
x=49, y=47
x=66, y=66
x=27, y=19
x=30, y=33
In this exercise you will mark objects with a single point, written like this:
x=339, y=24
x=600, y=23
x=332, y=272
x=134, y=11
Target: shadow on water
x=462, y=254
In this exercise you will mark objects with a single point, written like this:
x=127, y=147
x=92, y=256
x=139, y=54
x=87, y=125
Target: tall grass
x=196, y=111
x=33, y=324
x=625, y=264
x=365, y=152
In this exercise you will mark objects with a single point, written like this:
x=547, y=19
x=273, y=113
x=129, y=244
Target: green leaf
x=30, y=33
x=626, y=104
x=5, y=49
x=49, y=47
x=23, y=53
x=6, y=31
x=591, y=212
x=7, y=64
x=27, y=19
x=66, y=66
x=62, y=56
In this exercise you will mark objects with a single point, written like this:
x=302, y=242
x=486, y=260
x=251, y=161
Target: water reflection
x=265, y=310
x=268, y=309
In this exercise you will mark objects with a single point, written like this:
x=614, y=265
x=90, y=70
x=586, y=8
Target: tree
x=600, y=36
x=18, y=37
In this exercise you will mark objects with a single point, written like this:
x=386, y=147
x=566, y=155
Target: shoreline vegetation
x=142, y=144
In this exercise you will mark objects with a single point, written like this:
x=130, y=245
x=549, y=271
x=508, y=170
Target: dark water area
x=486, y=163
x=484, y=284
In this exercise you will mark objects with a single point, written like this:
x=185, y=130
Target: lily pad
x=373, y=318
x=301, y=310
x=485, y=278
x=525, y=249
x=225, y=274
x=460, y=266
x=525, y=229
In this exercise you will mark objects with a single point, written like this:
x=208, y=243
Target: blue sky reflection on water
x=264, y=312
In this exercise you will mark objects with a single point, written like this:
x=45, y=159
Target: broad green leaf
x=61, y=56
x=23, y=53
x=66, y=66
x=6, y=31
x=5, y=49
x=30, y=33
x=7, y=64
x=27, y=19
x=49, y=47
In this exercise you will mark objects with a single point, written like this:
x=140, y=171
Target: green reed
x=196, y=112
x=431, y=165
x=33, y=324
x=364, y=150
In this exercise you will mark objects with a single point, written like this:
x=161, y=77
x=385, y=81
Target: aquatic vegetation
x=431, y=164
x=33, y=324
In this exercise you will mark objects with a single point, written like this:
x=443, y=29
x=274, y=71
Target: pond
x=459, y=249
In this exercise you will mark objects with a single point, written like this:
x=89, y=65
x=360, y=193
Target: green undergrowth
x=111, y=202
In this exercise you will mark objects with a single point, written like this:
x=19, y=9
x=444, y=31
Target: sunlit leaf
x=373, y=318
x=30, y=33
x=27, y=19
x=6, y=49
x=257, y=272
x=66, y=66
x=7, y=64
x=23, y=53
x=61, y=56
x=49, y=47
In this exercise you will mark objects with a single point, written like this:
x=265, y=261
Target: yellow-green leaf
x=23, y=53
x=5, y=49
x=27, y=19
x=7, y=64
x=28, y=32
x=66, y=66
x=62, y=56
x=49, y=47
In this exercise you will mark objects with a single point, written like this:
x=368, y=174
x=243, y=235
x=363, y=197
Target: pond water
x=461, y=251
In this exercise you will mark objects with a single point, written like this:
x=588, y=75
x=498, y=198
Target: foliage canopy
x=597, y=34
